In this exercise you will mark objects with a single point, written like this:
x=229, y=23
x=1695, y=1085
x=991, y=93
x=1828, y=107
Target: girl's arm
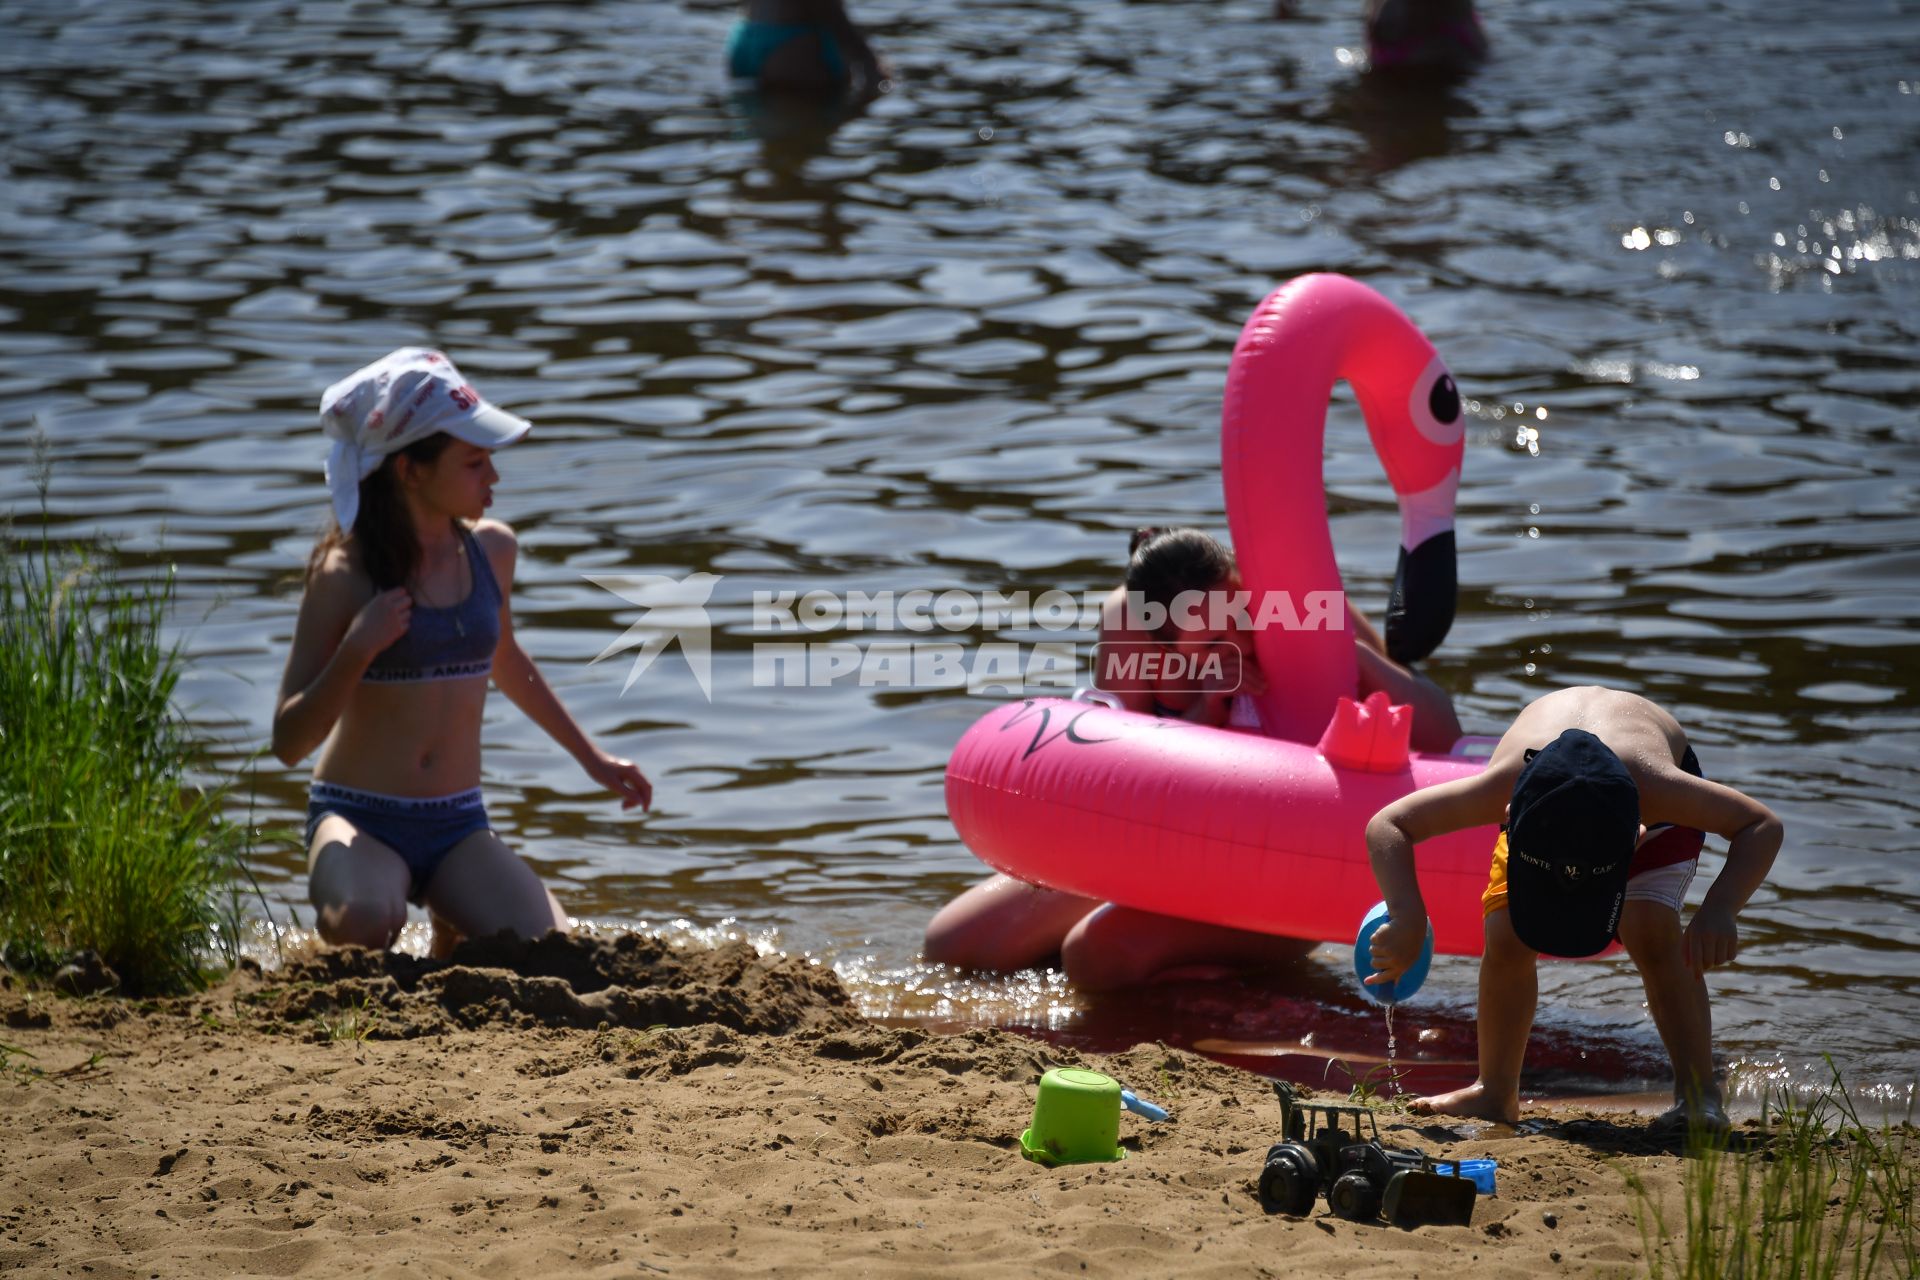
x=515, y=675
x=336, y=638
x=1436, y=727
x=1363, y=632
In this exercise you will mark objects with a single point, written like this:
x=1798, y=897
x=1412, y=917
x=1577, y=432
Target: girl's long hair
x=382, y=536
x=1162, y=563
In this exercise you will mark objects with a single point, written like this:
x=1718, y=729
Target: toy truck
x=1334, y=1149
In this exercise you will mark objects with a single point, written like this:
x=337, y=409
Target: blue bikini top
x=454, y=643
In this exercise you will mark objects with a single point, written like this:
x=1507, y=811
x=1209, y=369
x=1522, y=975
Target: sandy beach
x=620, y=1108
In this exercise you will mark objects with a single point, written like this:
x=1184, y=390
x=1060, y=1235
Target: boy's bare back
x=1648, y=740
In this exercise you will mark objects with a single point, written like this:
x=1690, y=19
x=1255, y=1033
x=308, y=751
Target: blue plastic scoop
x=1408, y=982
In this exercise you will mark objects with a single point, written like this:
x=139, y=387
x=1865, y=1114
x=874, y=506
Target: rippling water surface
x=970, y=340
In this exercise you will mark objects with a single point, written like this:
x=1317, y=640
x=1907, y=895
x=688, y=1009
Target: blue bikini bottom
x=423, y=830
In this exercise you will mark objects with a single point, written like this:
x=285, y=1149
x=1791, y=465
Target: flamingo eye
x=1433, y=402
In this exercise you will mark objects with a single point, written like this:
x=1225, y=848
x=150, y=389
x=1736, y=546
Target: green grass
x=1820, y=1195
x=26, y=1072
x=1370, y=1090
x=106, y=843
x=1371, y=1087
x=354, y=1022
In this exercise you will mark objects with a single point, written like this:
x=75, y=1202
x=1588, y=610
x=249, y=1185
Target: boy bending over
x=1604, y=809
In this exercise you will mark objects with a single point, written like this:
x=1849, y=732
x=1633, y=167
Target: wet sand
x=621, y=1108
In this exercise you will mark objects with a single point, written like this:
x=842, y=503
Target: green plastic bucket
x=1076, y=1119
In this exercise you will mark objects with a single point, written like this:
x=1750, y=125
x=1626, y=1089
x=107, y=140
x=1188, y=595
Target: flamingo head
x=1418, y=424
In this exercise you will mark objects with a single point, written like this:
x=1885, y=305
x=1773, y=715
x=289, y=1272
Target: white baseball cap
x=400, y=398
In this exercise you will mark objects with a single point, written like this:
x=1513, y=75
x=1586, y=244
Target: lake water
x=969, y=341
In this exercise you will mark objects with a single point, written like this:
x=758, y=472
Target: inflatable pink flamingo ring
x=1308, y=334
x=1263, y=831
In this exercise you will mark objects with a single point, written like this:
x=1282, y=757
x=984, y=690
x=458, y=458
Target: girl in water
x=1003, y=923
x=804, y=48
x=405, y=615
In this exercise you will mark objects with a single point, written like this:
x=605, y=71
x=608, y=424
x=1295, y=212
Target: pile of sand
x=625, y=1108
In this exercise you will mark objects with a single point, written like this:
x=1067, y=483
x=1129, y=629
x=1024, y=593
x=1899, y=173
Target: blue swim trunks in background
x=750, y=44
x=422, y=829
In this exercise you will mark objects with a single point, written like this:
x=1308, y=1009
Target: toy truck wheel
x=1354, y=1198
x=1290, y=1179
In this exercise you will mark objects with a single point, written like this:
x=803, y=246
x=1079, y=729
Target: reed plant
x=352, y=1022
x=1381, y=1087
x=107, y=842
x=1817, y=1195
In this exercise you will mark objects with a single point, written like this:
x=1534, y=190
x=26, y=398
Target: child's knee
x=1106, y=950
x=1650, y=931
x=535, y=918
x=1503, y=945
x=361, y=922
x=968, y=933
x=1088, y=957
x=1092, y=968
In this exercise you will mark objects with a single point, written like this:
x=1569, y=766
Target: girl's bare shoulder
x=496, y=533
x=338, y=572
x=497, y=539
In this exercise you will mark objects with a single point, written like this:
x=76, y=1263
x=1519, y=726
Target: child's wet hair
x=1162, y=563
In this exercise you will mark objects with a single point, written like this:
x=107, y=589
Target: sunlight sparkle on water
x=1031, y=997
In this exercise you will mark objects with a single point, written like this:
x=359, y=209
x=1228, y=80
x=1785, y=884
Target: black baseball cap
x=1571, y=829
